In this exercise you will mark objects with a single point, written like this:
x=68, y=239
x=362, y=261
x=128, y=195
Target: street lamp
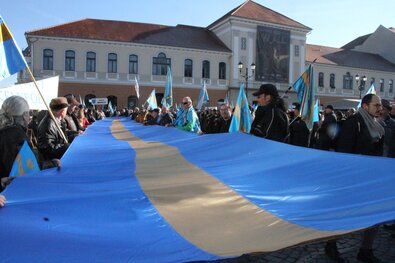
x=360, y=86
x=246, y=76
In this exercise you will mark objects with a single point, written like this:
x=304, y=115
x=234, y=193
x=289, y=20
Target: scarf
x=375, y=129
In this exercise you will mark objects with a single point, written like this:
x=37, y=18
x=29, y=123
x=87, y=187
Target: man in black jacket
x=362, y=134
x=271, y=120
x=299, y=133
x=50, y=142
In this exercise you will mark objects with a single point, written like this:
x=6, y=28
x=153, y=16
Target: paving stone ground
x=384, y=249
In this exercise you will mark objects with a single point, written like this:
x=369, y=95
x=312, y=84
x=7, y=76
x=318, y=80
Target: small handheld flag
x=203, y=97
x=25, y=162
x=241, y=119
x=137, y=87
x=168, y=96
x=152, y=100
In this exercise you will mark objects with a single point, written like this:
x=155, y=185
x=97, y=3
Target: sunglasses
x=185, y=102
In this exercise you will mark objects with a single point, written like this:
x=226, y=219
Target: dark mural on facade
x=272, y=52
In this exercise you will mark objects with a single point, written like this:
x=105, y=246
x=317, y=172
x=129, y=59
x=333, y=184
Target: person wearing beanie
x=271, y=120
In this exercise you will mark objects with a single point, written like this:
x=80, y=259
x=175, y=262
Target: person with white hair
x=14, y=120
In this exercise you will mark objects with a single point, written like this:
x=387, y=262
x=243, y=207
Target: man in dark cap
x=50, y=142
x=271, y=120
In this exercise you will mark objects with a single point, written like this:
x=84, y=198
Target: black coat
x=50, y=142
x=166, y=119
x=355, y=138
x=327, y=132
x=11, y=141
x=299, y=133
x=271, y=122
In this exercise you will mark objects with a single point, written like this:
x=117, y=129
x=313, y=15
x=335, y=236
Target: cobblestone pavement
x=384, y=249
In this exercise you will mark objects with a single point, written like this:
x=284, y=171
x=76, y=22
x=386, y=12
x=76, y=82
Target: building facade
x=99, y=58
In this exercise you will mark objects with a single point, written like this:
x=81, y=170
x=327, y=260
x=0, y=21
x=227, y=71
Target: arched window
x=112, y=63
x=206, y=69
x=48, y=59
x=133, y=64
x=320, y=79
x=332, y=81
x=114, y=100
x=188, y=68
x=160, y=64
x=132, y=102
x=90, y=62
x=222, y=70
x=69, y=61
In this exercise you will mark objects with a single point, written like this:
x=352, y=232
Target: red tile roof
x=257, y=12
x=107, y=30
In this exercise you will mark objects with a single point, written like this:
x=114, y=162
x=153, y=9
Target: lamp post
x=246, y=76
x=361, y=85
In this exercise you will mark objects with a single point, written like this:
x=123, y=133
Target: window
x=381, y=85
x=320, y=79
x=347, y=81
x=90, y=62
x=160, y=64
x=332, y=81
x=112, y=63
x=222, y=70
x=133, y=64
x=296, y=51
x=188, y=68
x=48, y=59
x=70, y=60
x=391, y=86
x=206, y=69
x=243, y=43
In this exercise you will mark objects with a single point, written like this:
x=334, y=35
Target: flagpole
x=46, y=105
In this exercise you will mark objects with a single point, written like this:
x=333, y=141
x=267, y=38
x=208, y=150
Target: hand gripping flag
x=304, y=88
x=168, y=96
x=152, y=100
x=11, y=58
x=203, y=97
x=241, y=119
x=25, y=162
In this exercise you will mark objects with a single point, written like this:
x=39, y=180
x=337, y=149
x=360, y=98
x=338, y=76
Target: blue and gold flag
x=11, y=58
x=168, y=96
x=152, y=100
x=241, y=119
x=25, y=162
x=304, y=88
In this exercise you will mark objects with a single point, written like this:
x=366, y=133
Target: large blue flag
x=159, y=194
x=304, y=87
x=25, y=162
x=152, y=100
x=203, y=96
x=11, y=58
x=241, y=118
x=168, y=96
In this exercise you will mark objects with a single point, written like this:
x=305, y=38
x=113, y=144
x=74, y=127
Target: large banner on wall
x=48, y=87
x=272, y=54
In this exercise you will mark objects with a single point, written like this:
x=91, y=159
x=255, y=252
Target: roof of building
x=356, y=42
x=254, y=11
x=108, y=30
x=347, y=58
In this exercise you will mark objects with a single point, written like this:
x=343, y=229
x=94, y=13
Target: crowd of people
x=369, y=130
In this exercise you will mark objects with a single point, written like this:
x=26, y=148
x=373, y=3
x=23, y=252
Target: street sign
x=99, y=101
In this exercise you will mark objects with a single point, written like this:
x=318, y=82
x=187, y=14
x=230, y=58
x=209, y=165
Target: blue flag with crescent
x=25, y=162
